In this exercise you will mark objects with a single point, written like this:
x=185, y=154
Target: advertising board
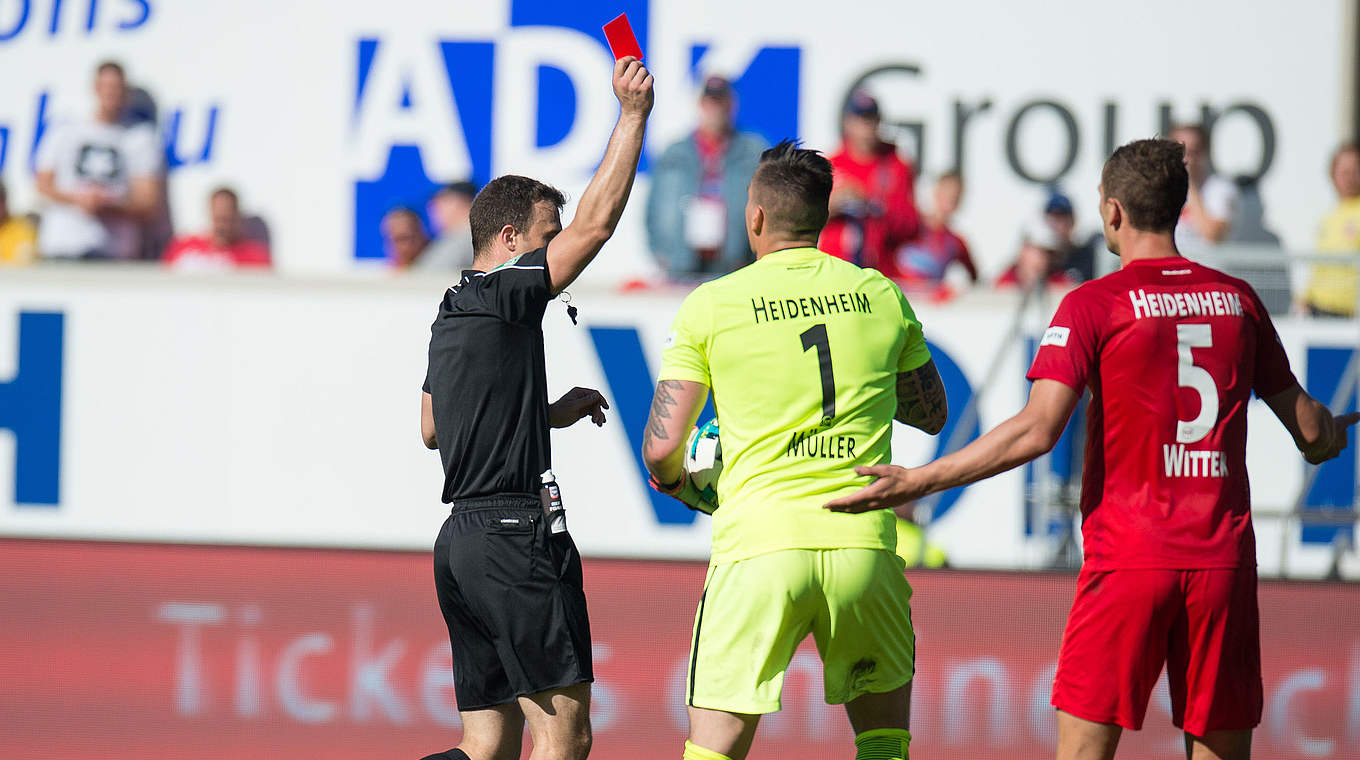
x=145, y=652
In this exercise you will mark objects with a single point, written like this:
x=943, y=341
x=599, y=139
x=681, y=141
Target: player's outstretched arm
x=604, y=198
x=921, y=402
x=1012, y=443
x=1317, y=432
x=427, y=421
x=675, y=409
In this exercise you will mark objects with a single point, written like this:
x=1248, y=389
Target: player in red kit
x=1172, y=352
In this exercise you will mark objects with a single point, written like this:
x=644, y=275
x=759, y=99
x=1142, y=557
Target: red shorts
x=1203, y=624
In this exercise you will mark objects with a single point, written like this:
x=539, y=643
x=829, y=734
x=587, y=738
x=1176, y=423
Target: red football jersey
x=1171, y=351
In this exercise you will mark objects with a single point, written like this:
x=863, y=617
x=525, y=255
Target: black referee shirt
x=487, y=380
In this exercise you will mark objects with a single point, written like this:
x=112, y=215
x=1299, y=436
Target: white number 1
x=1197, y=379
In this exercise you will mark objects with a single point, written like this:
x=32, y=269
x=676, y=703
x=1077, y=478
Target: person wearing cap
x=873, y=204
x=695, y=212
x=1048, y=249
x=1079, y=258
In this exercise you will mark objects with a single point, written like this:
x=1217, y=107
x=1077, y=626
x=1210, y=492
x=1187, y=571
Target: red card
x=622, y=41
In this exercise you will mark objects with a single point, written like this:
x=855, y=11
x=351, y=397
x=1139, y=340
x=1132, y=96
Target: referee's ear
x=506, y=237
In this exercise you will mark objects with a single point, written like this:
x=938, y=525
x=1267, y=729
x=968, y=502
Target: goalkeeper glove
x=688, y=494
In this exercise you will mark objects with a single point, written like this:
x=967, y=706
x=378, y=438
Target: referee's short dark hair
x=793, y=186
x=1149, y=178
x=508, y=200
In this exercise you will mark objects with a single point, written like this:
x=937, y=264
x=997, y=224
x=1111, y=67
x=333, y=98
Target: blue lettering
x=368, y=48
x=470, y=67
x=631, y=385
x=39, y=130
x=767, y=91
x=1064, y=464
x=174, y=156
x=138, y=14
x=30, y=408
x=6, y=36
x=1334, y=486
x=958, y=391
x=556, y=93
x=404, y=181
x=556, y=106
x=130, y=24
x=768, y=88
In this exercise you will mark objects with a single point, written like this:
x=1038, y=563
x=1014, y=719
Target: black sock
x=453, y=754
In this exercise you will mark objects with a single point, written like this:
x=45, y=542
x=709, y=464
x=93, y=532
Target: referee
x=506, y=571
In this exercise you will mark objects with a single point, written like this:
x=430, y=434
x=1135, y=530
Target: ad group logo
x=534, y=100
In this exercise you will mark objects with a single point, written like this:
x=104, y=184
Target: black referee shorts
x=512, y=597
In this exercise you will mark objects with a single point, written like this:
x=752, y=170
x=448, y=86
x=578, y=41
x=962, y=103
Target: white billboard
x=263, y=410
x=325, y=114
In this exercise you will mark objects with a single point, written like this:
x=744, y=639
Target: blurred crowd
x=100, y=181
x=101, y=184
x=695, y=212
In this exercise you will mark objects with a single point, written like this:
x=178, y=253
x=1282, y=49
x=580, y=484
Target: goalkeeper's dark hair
x=793, y=186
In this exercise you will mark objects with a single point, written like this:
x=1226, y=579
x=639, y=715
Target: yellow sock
x=882, y=744
x=695, y=752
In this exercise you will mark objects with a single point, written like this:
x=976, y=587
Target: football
x=703, y=460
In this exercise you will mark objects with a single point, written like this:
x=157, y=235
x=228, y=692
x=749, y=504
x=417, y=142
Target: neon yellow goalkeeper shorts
x=755, y=612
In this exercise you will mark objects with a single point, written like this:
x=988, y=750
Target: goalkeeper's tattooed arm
x=675, y=408
x=921, y=401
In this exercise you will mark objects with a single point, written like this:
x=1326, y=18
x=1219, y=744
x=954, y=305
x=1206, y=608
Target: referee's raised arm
x=602, y=203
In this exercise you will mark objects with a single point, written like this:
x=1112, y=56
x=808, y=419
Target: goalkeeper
x=809, y=358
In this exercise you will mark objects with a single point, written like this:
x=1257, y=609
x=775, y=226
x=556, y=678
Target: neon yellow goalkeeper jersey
x=801, y=351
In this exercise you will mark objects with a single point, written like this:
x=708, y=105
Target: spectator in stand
x=1042, y=256
x=1049, y=248
x=873, y=205
x=1249, y=223
x=404, y=237
x=224, y=247
x=696, y=224
x=1213, y=200
x=100, y=177
x=923, y=262
x=451, y=250
x=1077, y=259
x=1332, y=287
x=18, y=240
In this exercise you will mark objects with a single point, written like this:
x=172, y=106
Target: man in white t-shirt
x=1213, y=200
x=100, y=178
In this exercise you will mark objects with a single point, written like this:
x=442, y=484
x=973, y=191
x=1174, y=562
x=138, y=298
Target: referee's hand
x=633, y=86
x=575, y=404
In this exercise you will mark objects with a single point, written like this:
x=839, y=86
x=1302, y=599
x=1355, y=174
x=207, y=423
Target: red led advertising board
x=137, y=651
